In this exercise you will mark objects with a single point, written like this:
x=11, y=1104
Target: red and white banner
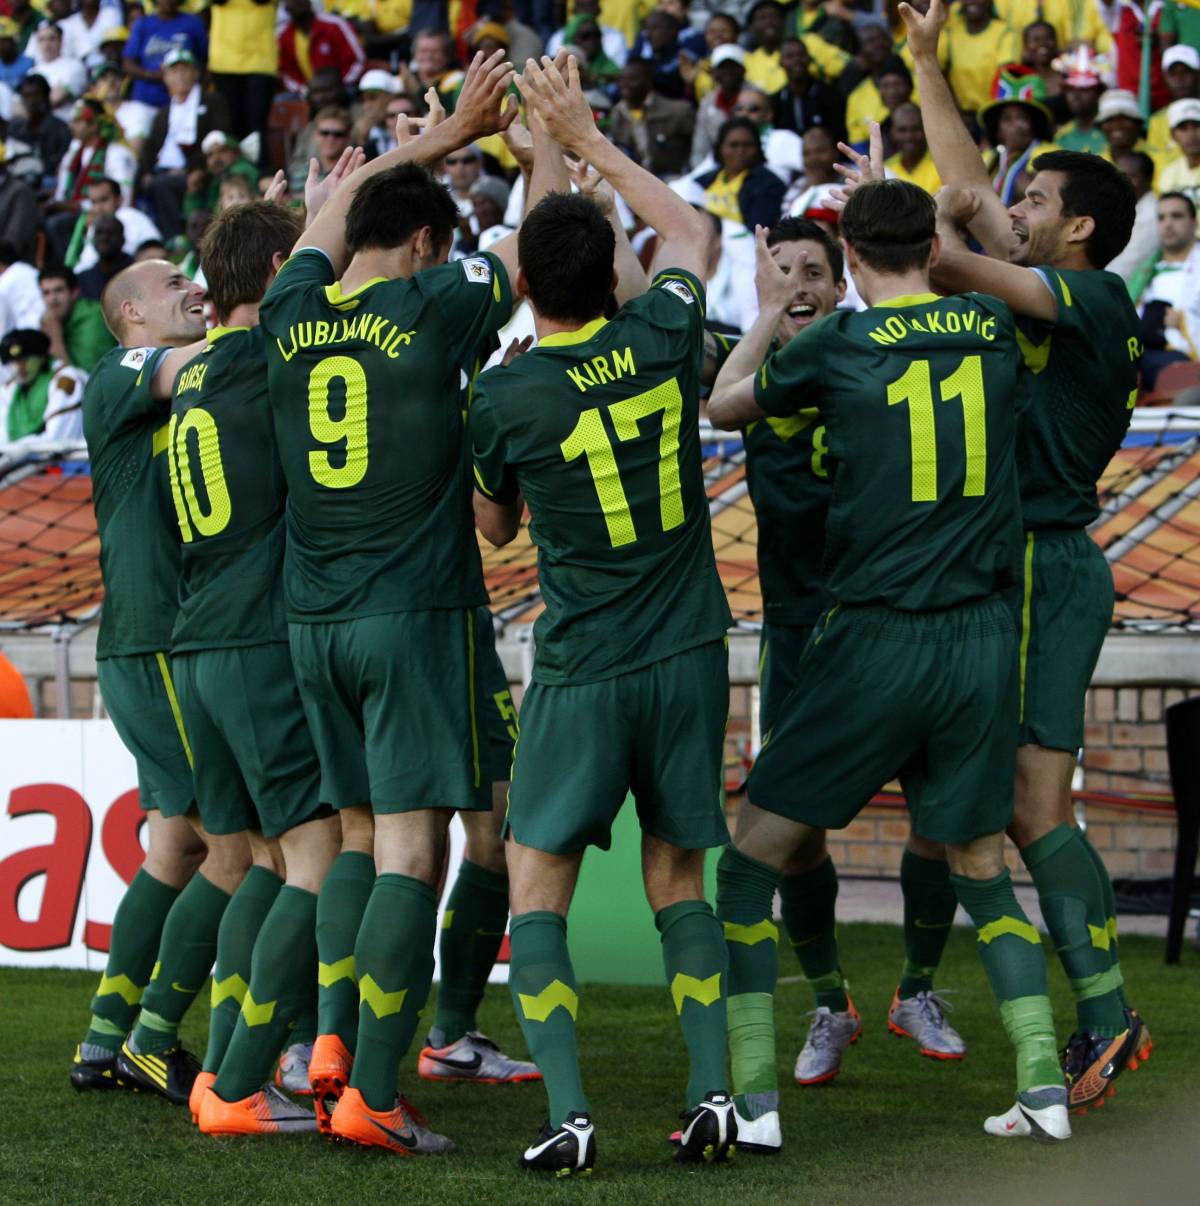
x=71, y=832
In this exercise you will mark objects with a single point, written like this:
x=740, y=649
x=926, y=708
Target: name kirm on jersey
x=597, y=371
x=362, y=328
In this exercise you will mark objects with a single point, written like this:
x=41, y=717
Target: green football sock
x=808, y=902
x=136, y=931
x=472, y=930
x=186, y=953
x=283, y=969
x=243, y=919
x=929, y=908
x=305, y=1029
x=1072, y=900
x=745, y=895
x=394, y=957
x=1110, y=910
x=696, y=963
x=542, y=983
x=340, y=907
x=1011, y=952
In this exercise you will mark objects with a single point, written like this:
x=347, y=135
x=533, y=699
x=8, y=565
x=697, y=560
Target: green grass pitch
x=892, y=1127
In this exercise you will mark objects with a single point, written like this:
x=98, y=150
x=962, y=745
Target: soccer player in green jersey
x=1081, y=340
x=597, y=429
x=367, y=338
x=788, y=480
x=915, y=665
x=156, y=313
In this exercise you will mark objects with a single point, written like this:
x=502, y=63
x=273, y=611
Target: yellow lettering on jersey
x=896, y=327
x=597, y=372
x=191, y=378
x=366, y=328
x=1134, y=346
x=791, y=425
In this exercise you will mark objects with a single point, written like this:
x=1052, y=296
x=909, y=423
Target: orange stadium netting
x=1149, y=530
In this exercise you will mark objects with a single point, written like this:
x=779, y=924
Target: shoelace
x=411, y=1113
x=820, y=1034
x=934, y=1006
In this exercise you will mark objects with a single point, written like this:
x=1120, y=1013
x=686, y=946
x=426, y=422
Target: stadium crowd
x=125, y=127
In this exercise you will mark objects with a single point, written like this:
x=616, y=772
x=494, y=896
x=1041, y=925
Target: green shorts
x=658, y=732
x=1064, y=608
x=255, y=765
x=928, y=696
x=780, y=648
x=499, y=727
x=139, y=694
x=393, y=708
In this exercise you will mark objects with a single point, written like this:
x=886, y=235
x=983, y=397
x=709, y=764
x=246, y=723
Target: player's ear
x=839, y=290
x=522, y=282
x=935, y=251
x=616, y=280
x=1081, y=229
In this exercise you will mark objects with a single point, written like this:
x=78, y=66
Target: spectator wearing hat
x=15, y=65
x=310, y=41
x=912, y=160
x=1139, y=168
x=1181, y=71
x=154, y=37
x=21, y=302
x=977, y=42
x=108, y=239
x=370, y=130
x=1018, y=125
x=41, y=399
x=173, y=147
x=67, y=77
x=112, y=45
x=104, y=200
x=805, y=101
x=489, y=199
x=74, y=325
x=134, y=118
x=223, y=159
x=83, y=31
x=243, y=60
x=728, y=69
x=764, y=68
x=1120, y=120
x=1082, y=86
x=654, y=129
x=613, y=44
x=1183, y=174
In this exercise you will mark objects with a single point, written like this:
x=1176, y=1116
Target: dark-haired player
x=914, y=666
x=1080, y=338
x=366, y=342
x=788, y=479
x=597, y=429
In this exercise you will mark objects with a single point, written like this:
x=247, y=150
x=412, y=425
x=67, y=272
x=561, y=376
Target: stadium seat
x=288, y=116
x=1177, y=377
x=1183, y=757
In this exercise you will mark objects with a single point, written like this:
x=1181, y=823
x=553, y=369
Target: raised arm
x=955, y=154
x=558, y=101
x=168, y=368
x=631, y=276
x=477, y=114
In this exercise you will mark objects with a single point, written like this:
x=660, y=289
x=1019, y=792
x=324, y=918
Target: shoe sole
x=93, y=1082
x=1096, y=1096
x=480, y=1080
x=254, y=1127
x=128, y=1072
x=828, y=1076
x=325, y=1085
x=900, y=1032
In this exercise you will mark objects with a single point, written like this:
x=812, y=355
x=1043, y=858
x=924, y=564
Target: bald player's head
x=153, y=304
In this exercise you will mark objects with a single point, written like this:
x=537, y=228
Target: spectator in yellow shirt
x=876, y=98
x=382, y=25
x=1074, y=21
x=912, y=160
x=1183, y=175
x=1181, y=70
x=763, y=69
x=977, y=43
x=243, y=60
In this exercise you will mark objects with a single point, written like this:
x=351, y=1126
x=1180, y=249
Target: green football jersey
x=599, y=429
x=788, y=482
x=366, y=395
x=919, y=397
x=126, y=432
x=1085, y=368
x=229, y=495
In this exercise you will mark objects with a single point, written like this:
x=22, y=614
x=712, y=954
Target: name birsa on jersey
x=596, y=371
x=931, y=322
x=362, y=328
x=192, y=378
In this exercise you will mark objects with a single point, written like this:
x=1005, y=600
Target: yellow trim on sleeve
x=161, y=439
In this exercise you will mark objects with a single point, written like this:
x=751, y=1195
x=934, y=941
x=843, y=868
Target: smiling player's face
x=817, y=293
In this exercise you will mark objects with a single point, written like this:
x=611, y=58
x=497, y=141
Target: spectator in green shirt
x=74, y=325
x=1180, y=24
x=222, y=158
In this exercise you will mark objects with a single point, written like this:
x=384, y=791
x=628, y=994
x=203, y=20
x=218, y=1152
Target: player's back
x=1084, y=388
x=126, y=432
x=365, y=394
x=919, y=398
x=599, y=427
x=228, y=493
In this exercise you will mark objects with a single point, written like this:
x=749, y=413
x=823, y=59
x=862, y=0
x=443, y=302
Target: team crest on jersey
x=478, y=270
x=136, y=358
x=680, y=290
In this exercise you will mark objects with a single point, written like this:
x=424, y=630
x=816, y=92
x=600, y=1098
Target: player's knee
x=412, y=844
x=358, y=829
x=982, y=858
x=309, y=851
x=228, y=859
x=671, y=874
x=809, y=855
x=266, y=853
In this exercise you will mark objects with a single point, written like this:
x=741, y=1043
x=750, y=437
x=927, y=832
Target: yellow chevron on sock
x=705, y=992
x=538, y=1008
x=752, y=935
x=1101, y=938
x=256, y=1014
x=447, y=919
x=122, y=986
x=1009, y=925
x=383, y=1004
x=330, y=973
x=231, y=988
